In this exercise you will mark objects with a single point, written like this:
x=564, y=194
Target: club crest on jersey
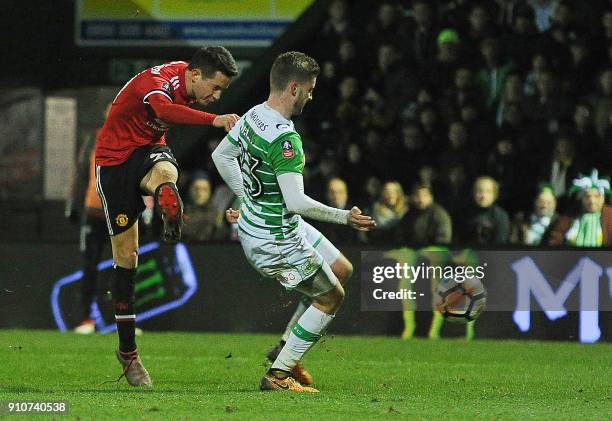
x=166, y=86
x=122, y=220
x=288, y=151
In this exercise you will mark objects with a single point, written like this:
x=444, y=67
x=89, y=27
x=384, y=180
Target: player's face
x=208, y=90
x=303, y=94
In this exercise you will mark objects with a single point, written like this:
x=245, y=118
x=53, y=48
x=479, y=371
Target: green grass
x=359, y=377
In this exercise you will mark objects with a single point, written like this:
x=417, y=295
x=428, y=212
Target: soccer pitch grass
x=216, y=376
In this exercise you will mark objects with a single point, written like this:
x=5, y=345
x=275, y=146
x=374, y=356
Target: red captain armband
x=178, y=114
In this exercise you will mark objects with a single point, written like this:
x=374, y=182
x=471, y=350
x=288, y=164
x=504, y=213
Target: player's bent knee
x=339, y=295
x=331, y=301
x=347, y=271
x=343, y=269
x=165, y=173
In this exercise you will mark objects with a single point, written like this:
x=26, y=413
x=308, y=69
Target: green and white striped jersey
x=269, y=146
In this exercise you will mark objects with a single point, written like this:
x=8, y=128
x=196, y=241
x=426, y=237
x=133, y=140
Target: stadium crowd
x=464, y=121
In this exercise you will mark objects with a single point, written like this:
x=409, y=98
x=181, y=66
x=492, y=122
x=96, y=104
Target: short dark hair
x=292, y=66
x=420, y=185
x=214, y=59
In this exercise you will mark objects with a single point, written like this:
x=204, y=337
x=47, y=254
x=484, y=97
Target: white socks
x=303, y=336
x=301, y=308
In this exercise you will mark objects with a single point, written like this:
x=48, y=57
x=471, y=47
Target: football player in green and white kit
x=261, y=159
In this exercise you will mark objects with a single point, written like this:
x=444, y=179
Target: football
x=460, y=302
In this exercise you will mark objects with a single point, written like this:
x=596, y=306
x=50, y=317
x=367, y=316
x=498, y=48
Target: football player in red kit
x=132, y=160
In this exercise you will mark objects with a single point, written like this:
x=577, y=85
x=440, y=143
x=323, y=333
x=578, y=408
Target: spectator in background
x=409, y=156
x=457, y=149
x=463, y=91
x=603, y=37
x=588, y=144
x=500, y=164
x=493, y=74
x=425, y=97
x=433, y=130
x=555, y=41
x=85, y=207
x=565, y=20
x=421, y=45
x=592, y=225
x=335, y=28
x=455, y=14
x=603, y=102
x=205, y=220
x=387, y=27
x=522, y=38
x=442, y=70
x=511, y=94
x=539, y=64
x=426, y=223
x=337, y=195
x=564, y=165
x=531, y=231
x=390, y=84
x=321, y=118
x=544, y=10
x=479, y=128
x=481, y=27
x=348, y=63
x=454, y=188
x=348, y=111
x=372, y=187
x=550, y=105
x=484, y=222
x=531, y=141
x=388, y=211
x=581, y=72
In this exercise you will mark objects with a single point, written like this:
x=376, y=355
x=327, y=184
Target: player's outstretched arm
x=172, y=113
x=292, y=187
x=226, y=121
x=225, y=157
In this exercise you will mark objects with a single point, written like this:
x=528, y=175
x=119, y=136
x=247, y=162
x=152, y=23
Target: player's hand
x=359, y=221
x=232, y=215
x=225, y=121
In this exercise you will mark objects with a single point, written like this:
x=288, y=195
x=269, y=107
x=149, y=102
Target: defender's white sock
x=301, y=308
x=303, y=336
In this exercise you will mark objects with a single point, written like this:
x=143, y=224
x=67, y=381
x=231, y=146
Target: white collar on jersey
x=265, y=104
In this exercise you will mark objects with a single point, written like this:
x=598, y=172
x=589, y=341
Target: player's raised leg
x=160, y=182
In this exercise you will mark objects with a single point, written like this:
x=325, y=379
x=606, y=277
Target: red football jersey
x=131, y=123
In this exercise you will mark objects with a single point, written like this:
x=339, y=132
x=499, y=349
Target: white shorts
x=326, y=249
x=292, y=260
